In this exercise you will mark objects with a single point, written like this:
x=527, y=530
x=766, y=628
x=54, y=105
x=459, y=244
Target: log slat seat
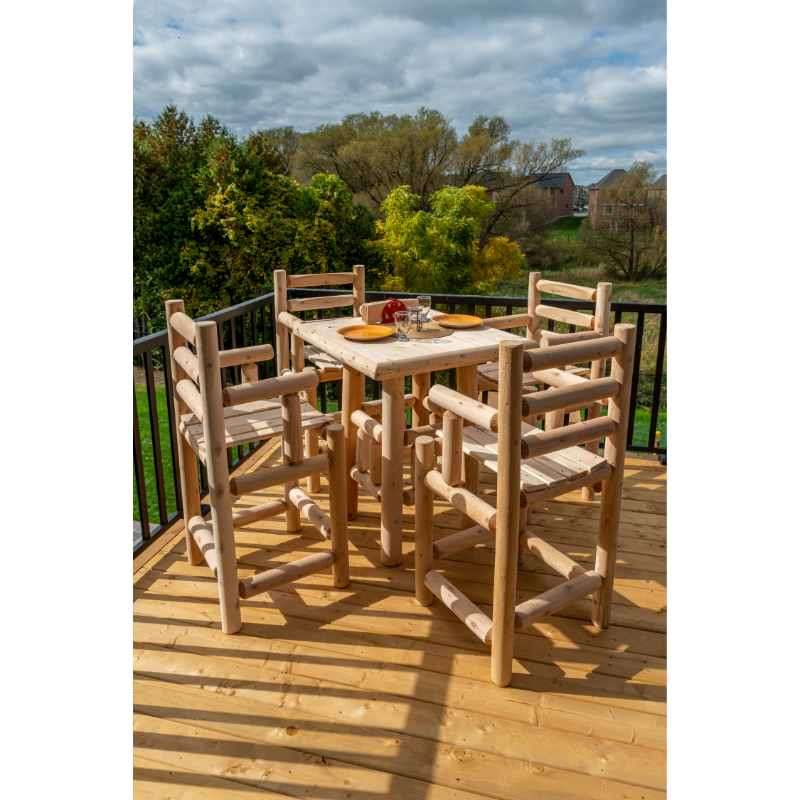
x=489, y=376
x=250, y=422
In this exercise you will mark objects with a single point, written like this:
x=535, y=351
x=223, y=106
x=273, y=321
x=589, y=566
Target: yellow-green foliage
x=439, y=252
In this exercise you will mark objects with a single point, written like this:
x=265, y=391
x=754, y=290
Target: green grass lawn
x=563, y=229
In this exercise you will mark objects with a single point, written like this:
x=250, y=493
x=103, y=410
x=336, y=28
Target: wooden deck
x=360, y=693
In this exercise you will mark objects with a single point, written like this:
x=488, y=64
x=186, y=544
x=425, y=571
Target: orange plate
x=365, y=333
x=457, y=320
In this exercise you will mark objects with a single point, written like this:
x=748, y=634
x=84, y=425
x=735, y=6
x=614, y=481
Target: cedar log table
x=390, y=361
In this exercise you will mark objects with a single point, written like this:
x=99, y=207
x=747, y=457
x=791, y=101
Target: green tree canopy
x=439, y=251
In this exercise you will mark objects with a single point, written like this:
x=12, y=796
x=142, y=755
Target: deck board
x=359, y=692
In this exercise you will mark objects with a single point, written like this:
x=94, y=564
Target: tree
x=285, y=140
x=632, y=243
x=375, y=154
x=439, y=251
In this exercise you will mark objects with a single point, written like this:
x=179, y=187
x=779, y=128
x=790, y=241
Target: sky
x=593, y=71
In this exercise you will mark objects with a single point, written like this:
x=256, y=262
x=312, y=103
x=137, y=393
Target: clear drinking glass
x=425, y=305
x=403, y=321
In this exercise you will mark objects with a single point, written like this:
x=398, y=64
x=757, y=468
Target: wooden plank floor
x=360, y=693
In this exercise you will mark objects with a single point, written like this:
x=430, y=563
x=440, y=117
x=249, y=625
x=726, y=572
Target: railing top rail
x=159, y=338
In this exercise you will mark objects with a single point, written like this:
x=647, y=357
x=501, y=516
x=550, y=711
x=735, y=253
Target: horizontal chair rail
x=561, y=355
x=191, y=396
x=567, y=290
x=555, y=599
x=460, y=605
x=184, y=326
x=324, y=279
x=269, y=388
x=246, y=355
x=562, y=564
x=203, y=535
x=456, y=542
x=286, y=573
x=277, y=476
x=311, y=511
x=566, y=396
x=509, y=321
x=465, y=407
x=475, y=508
x=542, y=443
x=565, y=315
x=188, y=360
x=259, y=512
x=548, y=338
x=315, y=303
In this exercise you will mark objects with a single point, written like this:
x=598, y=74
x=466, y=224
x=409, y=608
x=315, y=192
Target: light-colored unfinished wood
x=475, y=508
x=534, y=298
x=217, y=466
x=602, y=320
x=549, y=338
x=420, y=389
x=565, y=315
x=188, y=361
x=268, y=388
x=204, y=537
x=471, y=409
x=187, y=391
x=315, y=303
x=561, y=355
x=451, y=448
x=352, y=397
x=286, y=573
x=509, y=408
x=562, y=564
x=423, y=532
x=508, y=321
x=611, y=502
x=375, y=462
x=282, y=333
x=460, y=605
x=566, y=396
x=187, y=463
x=253, y=514
x=184, y=325
x=246, y=355
x=456, y=542
x=392, y=472
x=551, y=441
x=320, y=279
x=374, y=408
x=359, y=285
x=338, y=506
x=567, y=290
x=311, y=511
x=256, y=481
x=555, y=599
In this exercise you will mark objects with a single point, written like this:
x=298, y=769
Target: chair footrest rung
x=203, y=535
x=475, y=508
x=562, y=564
x=311, y=511
x=262, y=511
x=286, y=573
x=460, y=605
x=456, y=542
x=555, y=599
x=363, y=480
x=274, y=476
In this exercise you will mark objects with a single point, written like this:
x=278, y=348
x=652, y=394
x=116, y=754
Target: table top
x=394, y=359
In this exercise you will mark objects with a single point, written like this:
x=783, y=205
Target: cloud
x=593, y=71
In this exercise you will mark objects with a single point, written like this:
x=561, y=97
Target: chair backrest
x=283, y=282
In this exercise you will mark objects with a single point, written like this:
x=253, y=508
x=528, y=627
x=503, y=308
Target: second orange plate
x=365, y=333
x=457, y=320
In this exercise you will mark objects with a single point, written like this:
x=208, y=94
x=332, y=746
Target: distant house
x=560, y=187
x=597, y=209
x=603, y=213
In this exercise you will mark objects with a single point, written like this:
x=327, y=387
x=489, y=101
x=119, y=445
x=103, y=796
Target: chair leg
x=338, y=506
x=423, y=534
x=218, y=480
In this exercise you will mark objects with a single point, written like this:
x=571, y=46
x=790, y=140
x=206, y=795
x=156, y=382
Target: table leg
x=467, y=384
x=393, y=420
x=352, y=397
x=420, y=387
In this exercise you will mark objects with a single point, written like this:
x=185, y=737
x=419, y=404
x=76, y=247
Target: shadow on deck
x=360, y=693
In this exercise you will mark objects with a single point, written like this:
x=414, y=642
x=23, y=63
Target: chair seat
x=250, y=422
x=322, y=360
x=489, y=375
x=536, y=474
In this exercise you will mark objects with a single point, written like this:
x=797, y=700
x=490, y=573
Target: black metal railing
x=253, y=323
x=157, y=490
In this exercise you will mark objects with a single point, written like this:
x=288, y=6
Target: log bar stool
x=212, y=419
x=327, y=367
x=532, y=466
x=598, y=325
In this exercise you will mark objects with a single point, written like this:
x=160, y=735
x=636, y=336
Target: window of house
x=561, y=190
x=552, y=191
x=608, y=208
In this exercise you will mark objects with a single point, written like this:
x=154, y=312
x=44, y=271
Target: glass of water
x=403, y=321
x=425, y=305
